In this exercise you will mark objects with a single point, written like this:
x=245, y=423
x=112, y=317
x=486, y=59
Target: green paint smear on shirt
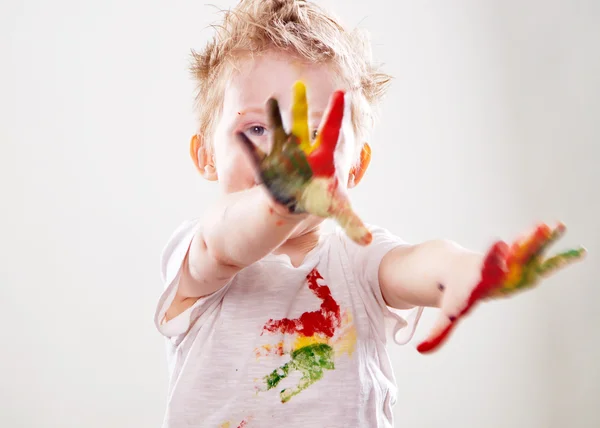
x=310, y=360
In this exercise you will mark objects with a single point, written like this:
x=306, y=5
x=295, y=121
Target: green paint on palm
x=310, y=361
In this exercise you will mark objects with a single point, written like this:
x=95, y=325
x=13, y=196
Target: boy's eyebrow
x=254, y=109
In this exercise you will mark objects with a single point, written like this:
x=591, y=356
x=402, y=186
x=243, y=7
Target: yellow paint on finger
x=300, y=117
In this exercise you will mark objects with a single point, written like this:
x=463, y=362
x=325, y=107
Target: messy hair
x=300, y=28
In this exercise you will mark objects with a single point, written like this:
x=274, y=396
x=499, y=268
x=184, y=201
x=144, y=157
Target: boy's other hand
x=506, y=271
x=300, y=175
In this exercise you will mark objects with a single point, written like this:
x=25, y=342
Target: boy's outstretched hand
x=301, y=175
x=506, y=271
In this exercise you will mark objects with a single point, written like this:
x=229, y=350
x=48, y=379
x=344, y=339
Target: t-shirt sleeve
x=172, y=258
x=400, y=325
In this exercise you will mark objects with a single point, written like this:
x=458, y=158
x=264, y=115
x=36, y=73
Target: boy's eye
x=257, y=131
x=260, y=131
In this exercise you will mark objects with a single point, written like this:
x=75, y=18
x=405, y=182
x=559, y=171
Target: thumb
x=355, y=228
x=341, y=210
x=324, y=198
x=439, y=334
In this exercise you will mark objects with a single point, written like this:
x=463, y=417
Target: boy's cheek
x=234, y=171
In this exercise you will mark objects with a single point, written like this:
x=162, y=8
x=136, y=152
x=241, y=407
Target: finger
x=276, y=124
x=439, y=334
x=526, y=251
x=341, y=211
x=561, y=260
x=353, y=226
x=329, y=130
x=256, y=155
x=321, y=159
x=529, y=245
x=555, y=234
x=536, y=242
x=300, y=117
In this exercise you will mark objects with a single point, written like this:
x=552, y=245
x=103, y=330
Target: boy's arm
x=442, y=274
x=241, y=229
x=416, y=275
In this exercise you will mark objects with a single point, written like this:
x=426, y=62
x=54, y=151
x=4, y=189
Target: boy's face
x=271, y=75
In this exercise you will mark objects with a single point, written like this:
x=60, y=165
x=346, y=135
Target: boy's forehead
x=273, y=75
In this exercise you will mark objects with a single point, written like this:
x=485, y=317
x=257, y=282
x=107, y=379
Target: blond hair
x=300, y=28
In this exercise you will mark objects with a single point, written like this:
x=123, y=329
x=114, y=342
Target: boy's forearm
x=240, y=230
x=415, y=275
x=246, y=226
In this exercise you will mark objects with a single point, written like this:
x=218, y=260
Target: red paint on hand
x=321, y=160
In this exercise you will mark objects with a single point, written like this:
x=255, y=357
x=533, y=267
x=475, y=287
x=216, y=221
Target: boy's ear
x=202, y=158
x=358, y=171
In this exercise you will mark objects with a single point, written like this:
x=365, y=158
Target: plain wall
x=492, y=124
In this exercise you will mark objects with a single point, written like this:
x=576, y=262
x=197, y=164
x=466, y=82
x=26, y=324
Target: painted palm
x=301, y=174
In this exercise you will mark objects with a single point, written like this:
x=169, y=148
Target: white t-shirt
x=285, y=346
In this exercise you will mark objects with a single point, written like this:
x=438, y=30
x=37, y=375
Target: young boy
x=270, y=320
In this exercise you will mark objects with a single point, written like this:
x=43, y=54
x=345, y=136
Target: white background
x=492, y=123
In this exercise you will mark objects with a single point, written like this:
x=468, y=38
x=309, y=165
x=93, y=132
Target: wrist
x=464, y=266
x=450, y=261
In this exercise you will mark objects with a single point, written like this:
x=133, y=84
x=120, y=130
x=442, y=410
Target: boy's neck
x=298, y=247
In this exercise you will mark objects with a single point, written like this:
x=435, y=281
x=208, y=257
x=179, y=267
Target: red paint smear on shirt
x=324, y=321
